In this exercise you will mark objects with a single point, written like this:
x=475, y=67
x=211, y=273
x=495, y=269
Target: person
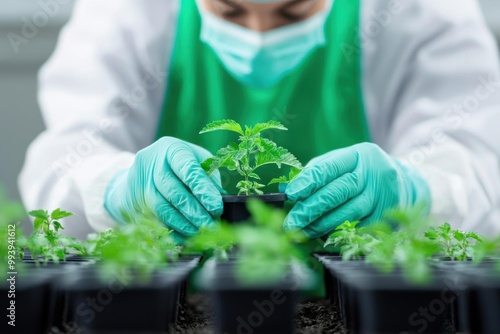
x=391, y=103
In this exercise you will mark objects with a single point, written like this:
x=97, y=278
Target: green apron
x=320, y=102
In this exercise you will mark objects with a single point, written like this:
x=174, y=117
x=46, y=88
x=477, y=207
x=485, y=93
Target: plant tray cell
x=235, y=209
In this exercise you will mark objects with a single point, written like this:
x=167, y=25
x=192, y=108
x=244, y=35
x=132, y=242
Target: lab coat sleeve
x=100, y=94
x=432, y=94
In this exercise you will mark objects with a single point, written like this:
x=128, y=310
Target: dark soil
x=194, y=317
x=312, y=318
x=318, y=318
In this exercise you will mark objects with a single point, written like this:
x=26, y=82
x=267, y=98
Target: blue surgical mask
x=262, y=59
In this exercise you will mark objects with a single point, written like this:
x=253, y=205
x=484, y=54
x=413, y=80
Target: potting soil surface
x=316, y=317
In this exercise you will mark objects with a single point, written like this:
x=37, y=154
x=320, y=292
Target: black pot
x=372, y=302
x=235, y=209
x=55, y=272
x=478, y=306
x=31, y=302
x=127, y=304
x=489, y=301
x=330, y=280
x=340, y=295
x=256, y=307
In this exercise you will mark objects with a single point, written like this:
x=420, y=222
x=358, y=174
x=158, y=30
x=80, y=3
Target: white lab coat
x=431, y=82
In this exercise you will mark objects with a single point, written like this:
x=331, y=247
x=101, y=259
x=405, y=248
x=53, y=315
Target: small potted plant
x=26, y=295
x=402, y=271
x=46, y=245
x=136, y=283
x=256, y=288
x=115, y=268
x=251, y=152
x=479, y=303
x=47, y=253
x=388, y=265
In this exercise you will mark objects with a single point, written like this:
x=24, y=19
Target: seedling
x=487, y=248
x=387, y=249
x=218, y=240
x=46, y=243
x=455, y=244
x=138, y=248
x=264, y=250
x=352, y=241
x=250, y=153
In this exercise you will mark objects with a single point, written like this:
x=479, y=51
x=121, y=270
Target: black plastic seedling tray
x=389, y=304
x=478, y=304
x=61, y=296
x=104, y=308
x=256, y=307
x=127, y=304
x=461, y=296
x=32, y=305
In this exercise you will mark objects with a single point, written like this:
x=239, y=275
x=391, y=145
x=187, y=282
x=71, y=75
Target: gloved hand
x=357, y=183
x=167, y=180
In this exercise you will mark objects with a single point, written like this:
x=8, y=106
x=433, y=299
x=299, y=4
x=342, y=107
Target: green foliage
x=487, y=248
x=46, y=242
x=405, y=240
x=406, y=251
x=455, y=244
x=250, y=153
x=264, y=250
x=353, y=242
x=219, y=239
x=224, y=124
x=139, y=248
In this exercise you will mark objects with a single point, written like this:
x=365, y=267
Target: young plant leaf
x=225, y=157
x=278, y=180
x=225, y=124
x=59, y=214
x=254, y=176
x=38, y=224
x=258, y=128
x=273, y=154
x=42, y=214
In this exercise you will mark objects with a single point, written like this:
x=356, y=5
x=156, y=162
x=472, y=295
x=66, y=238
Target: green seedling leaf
x=57, y=225
x=254, y=176
x=459, y=235
x=225, y=157
x=258, y=128
x=475, y=236
x=42, y=214
x=225, y=124
x=59, y=214
x=294, y=172
x=39, y=224
x=273, y=154
x=278, y=180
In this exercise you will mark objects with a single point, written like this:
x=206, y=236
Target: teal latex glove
x=357, y=183
x=167, y=180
